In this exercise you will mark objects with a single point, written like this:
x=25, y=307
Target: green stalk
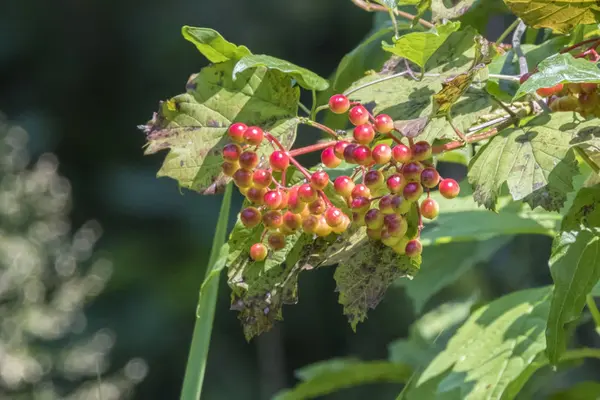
x=591, y=303
x=205, y=311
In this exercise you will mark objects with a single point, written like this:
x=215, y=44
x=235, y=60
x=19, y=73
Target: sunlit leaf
x=212, y=45
x=561, y=16
x=440, y=11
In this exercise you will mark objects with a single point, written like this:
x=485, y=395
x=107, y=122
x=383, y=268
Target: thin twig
x=304, y=108
x=488, y=124
x=326, y=129
x=311, y=148
x=456, y=130
x=587, y=159
x=507, y=31
x=505, y=77
x=516, y=43
x=313, y=110
x=365, y=5
x=376, y=81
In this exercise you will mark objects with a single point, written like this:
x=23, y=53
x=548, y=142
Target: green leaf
x=428, y=335
x=344, y=374
x=560, y=16
x=575, y=268
x=492, y=354
x=193, y=125
x=421, y=5
x=418, y=47
x=459, y=8
x=536, y=161
x=305, y=78
x=560, y=68
x=581, y=391
x=205, y=311
x=212, y=45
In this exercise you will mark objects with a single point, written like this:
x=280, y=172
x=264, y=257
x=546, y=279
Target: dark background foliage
x=80, y=76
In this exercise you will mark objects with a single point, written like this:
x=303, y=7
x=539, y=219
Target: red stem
x=317, y=125
x=469, y=139
x=324, y=197
x=309, y=149
x=581, y=44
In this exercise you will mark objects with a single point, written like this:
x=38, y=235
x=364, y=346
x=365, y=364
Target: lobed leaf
x=212, y=45
x=305, y=78
x=560, y=16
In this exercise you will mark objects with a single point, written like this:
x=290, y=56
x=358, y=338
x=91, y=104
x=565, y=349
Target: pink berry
x=307, y=193
x=261, y=178
x=429, y=208
x=253, y=135
x=401, y=153
x=272, y=199
x=317, y=207
x=421, y=151
x=272, y=219
x=449, y=188
x=413, y=248
x=343, y=186
x=396, y=183
x=329, y=159
x=319, y=180
x=292, y=221
x=360, y=204
x=231, y=152
x=236, y=132
x=334, y=216
x=361, y=190
x=279, y=161
x=339, y=104
x=412, y=191
x=258, y=252
x=248, y=159
x=430, y=177
x=412, y=171
x=362, y=155
x=382, y=153
x=384, y=123
x=358, y=115
x=385, y=204
x=364, y=134
x=339, y=148
x=250, y=217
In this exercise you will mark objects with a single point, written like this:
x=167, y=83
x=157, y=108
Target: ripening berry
x=258, y=252
x=319, y=180
x=374, y=219
x=242, y=178
x=292, y=221
x=253, y=135
x=549, y=91
x=236, y=132
x=272, y=199
x=384, y=123
x=430, y=208
x=358, y=115
x=343, y=186
x=279, y=161
x=400, y=205
x=349, y=153
x=360, y=204
x=231, y=152
x=261, y=178
x=401, y=153
x=323, y=229
x=364, y=134
x=412, y=191
x=334, y=216
x=395, y=183
x=248, y=159
x=317, y=207
x=412, y=171
x=250, y=217
x=449, y=188
x=295, y=205
x=329, y=159
x=310, y=223
x=358, y=218
x=272, y=219
x=430, y=177
x=276, y=241
x=374, y=179
x=588, y=87
x=339, y=104
x=388, y=238
x=361, y=190
x=307, y=193
x=339, y=148
x=284, y=200
x=382, y=153
x=413, y=248
x=229, y=168
x=374, y=234
x=400, y=247
x=421, y=151
x=362, y=155
x=385, y=204
x=256, y=195
x=395, y=224
x=341, y=228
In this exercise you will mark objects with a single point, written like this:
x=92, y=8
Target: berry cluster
x=392, y=180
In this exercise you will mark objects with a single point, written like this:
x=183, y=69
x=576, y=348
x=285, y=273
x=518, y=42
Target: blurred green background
x=80, y=76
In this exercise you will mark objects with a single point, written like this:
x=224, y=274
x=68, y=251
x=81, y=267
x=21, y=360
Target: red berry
x=242, y=178
x=412, y=171
x=430, y=208
x=400, y=205
x=384, y=123
x=339, y=104
x=412, y=191
x=362, y=155
x=396, y=183
x=449, y=188
x=421, y=151
x=364, y=134
x=360, y=204
x=382, y=154
x=310, y=223
x=250, y=217
x=547, y=92
x=292, y=221
x=401, y=153
x=231, y=152
x=253, y=135
x=317, y=207
x=342, y=226
x=374, y=219
x=272, y=199
x=395, y=224
x=307, y=193
x=248, y=159
x=361, y=190
x=334, y=216
x=349, y=153
x=229, y=168
x=272, y=219
x=329, y=159
x=374, y=179
x=294, y=203
x=413, y=248
x=258, y=252
x=385, y=204
x=261, y=178
x=256, y=195
x=279, y=161
x=358, y=115
x=343, y=186
x=236, y=132
x=339, y=148
x=319, y=180
x=430, y=177
x=276, y=241
x=524, y=77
